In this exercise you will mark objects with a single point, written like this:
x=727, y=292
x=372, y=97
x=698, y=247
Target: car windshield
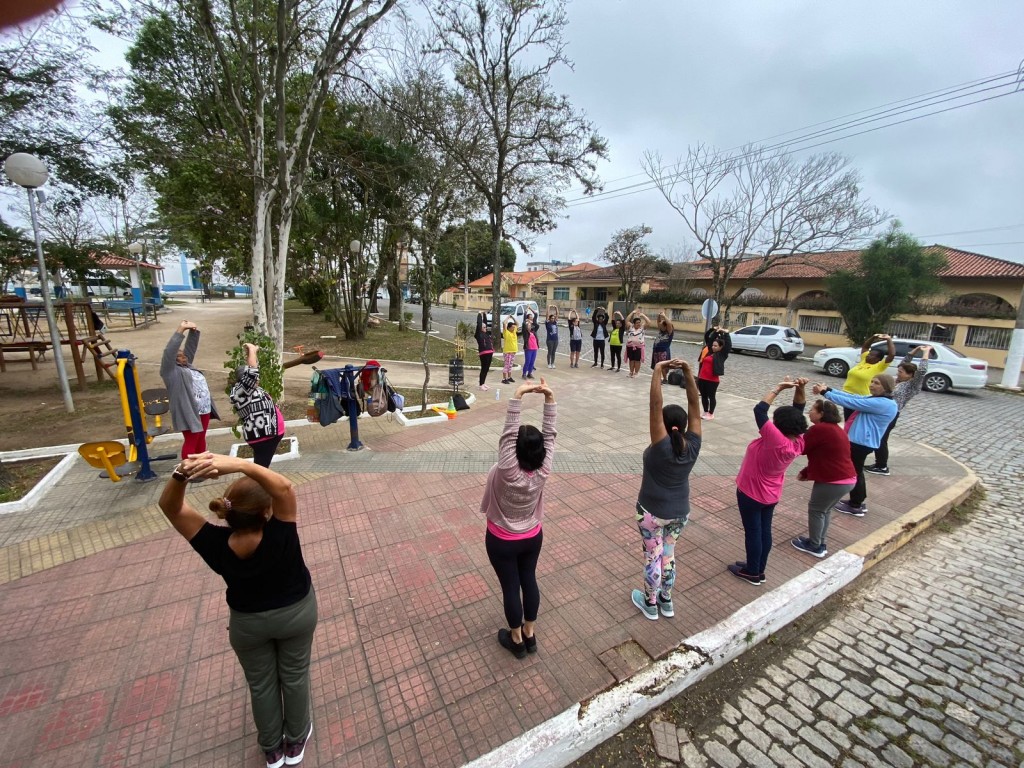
x=791, y=333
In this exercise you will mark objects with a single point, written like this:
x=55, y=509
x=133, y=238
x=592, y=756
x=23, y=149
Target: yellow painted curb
x=878, y=545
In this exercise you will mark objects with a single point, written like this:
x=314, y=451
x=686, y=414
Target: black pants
x=616, y=356
x=858, y=453
x=599, y=349
x=708, y=390
x=263, y=451
x=515, y=563
x=882, y=451
x=485, y=366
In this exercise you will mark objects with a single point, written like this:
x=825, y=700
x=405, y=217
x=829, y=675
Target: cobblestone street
x=918, y=665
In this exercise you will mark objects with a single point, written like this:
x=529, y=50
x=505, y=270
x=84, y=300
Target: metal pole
x=58, y=352
x=1015, y=354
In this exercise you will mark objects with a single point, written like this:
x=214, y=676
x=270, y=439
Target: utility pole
x=465, y=256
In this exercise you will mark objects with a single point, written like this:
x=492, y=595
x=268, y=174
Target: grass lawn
x=302, y=327
x=20, y=477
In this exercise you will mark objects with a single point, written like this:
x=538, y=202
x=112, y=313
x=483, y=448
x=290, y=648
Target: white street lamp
x=29, y=172
x=135, y=249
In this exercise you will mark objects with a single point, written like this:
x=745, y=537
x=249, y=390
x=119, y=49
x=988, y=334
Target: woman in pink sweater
x=514, y=505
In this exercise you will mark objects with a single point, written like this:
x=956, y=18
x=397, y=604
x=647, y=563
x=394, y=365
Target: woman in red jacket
x=717, y=345
x=830, y=468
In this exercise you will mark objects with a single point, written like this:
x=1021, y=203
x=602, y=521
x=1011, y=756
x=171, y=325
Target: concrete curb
x=571, y=734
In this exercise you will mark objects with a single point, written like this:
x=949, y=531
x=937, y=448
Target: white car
x=776, y=341
x=516, y=312
x=947, y=368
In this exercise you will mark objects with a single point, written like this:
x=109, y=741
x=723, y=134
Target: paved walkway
x=114, y=641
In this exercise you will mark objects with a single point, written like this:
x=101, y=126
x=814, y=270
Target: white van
x=516, y=312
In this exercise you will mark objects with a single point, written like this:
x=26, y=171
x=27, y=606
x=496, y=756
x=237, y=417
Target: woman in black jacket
x=485, y=348
x=599, y=333
x=717, y=345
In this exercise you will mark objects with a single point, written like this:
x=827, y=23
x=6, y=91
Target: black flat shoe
x=505, y=641
x=530, y=643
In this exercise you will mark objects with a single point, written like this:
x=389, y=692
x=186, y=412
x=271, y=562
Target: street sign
x=709, y=309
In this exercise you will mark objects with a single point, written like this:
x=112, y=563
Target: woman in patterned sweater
x=261, y=421
x=514, y=505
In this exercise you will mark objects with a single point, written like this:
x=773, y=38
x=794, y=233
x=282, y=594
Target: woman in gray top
x=663, y=505
x=188, y=392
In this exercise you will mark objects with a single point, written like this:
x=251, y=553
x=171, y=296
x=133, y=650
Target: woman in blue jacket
x=866, y=426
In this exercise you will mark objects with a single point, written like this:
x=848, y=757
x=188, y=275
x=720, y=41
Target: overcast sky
x=664, y=74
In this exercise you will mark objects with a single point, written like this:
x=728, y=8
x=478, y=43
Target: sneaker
x=505, y=641
x=529, y=376
x=877, y=470
x=804, y=545
x=705, y=416
x=275, y=757
x=665, y=606
x=848, y=509
x=530, y=643
x=294, y=751
x=594, y=365
x=649, y=611
x=711, y=417
x=484, y=388
x=750, y=578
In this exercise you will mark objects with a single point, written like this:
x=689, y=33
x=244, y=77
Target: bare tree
x=762, y=205
x=517, y=142
x=275, y=68
x=633, y=260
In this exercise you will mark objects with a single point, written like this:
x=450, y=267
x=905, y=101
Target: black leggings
x=616, y=356
x=515, y=563
x=485, y=366
x=263, y=451
x=882, y=452
x=708, y=390
x=858, y=453
x=599, y=349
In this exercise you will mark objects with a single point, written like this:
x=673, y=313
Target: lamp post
x=354, y=247
x=28, y=171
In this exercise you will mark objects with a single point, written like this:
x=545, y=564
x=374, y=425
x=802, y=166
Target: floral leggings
x=659, y=552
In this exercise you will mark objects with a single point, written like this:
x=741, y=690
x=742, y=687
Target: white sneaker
x=705, y=416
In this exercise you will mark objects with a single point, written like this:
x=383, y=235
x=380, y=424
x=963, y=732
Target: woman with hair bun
x=830, y=468
x=513, y=503
x=762, y=473
x=663, y=504
x=270, y=597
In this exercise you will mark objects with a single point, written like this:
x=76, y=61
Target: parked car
x=414, y=298
x=947, y=368
x=776, y=341
x=516, y=312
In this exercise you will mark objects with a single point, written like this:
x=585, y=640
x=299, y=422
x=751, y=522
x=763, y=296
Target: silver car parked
x=776, y=341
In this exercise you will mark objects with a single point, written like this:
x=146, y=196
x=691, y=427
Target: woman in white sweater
x=513, y=503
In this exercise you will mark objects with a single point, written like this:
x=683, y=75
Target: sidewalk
x=115, y=649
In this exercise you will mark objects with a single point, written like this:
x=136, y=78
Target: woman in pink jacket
x=514, y=505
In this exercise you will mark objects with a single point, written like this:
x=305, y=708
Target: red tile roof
x=961, y=264
x=595, y=273
x=581, y=267
x=515, y=278
x=110, y=261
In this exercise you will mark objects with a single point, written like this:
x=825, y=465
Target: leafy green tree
x=17, y=253
x=895, y=271
x=472, y=238
x=633, y=260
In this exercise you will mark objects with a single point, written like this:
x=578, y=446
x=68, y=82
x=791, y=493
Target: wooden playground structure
x=24, y=330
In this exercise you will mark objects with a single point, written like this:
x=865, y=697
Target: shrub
x=314, y=292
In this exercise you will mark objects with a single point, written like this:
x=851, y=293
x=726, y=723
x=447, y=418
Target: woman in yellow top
x=872, y=363
x=509, y=346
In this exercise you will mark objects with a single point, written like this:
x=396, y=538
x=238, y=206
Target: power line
x=793, y=145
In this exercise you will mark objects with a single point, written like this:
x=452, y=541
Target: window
x=601, y=294
x=767, y=330
x=988, y=338
x=750, y=330
x=907, y=330
x=832, y=325
x=561, y=294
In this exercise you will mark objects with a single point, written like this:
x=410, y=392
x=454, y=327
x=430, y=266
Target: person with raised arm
x=551, y=335
x=718, y=344
x=636, y=340
x=188, y=392
x=485, y=347
x=662, y=349
x=531, y=345
x=909, y=380
x=663, y=504
x=616, y=340
x=760, y=479
x=513, y=503
x=262, y=421
x=872, y=362
x=599, y=334
x=575, y=339
x=270, y=597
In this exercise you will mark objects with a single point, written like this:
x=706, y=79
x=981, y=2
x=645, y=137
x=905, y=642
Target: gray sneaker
x=666, y=607
x=649, y=611
x=804, y=545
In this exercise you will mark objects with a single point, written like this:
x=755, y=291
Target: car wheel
x=937, y=382
x=774, y=352
x=837, y=368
